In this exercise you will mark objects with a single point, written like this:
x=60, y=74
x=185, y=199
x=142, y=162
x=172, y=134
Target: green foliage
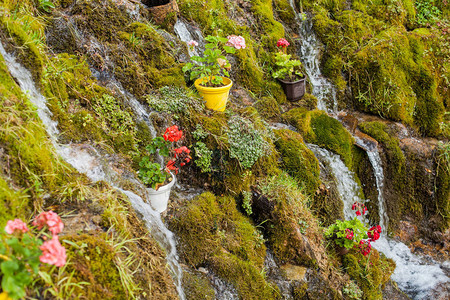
x=19, y=258
x=174, y=100
x=150, y=173
x=46, y=5
x=203, y=157
x=427, y=12
x=352, y=291
x=338, y=233
x=288, y=68
x=246, y=202
x=247, y=144
x=114, y=120
x=213, y=64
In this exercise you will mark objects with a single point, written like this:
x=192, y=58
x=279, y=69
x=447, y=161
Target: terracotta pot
x=160, y=9
x=294, y=90
x=160, y=197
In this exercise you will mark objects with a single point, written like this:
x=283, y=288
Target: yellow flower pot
x=216, y=97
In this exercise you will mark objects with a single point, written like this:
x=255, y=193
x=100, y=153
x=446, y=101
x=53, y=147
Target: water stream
x=309, y=53
x=187, y=33
x=87, y=160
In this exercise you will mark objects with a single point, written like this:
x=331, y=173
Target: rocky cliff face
x=253, y=199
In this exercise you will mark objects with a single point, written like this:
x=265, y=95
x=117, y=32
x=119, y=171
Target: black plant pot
x=294, y=90
x=152, y=3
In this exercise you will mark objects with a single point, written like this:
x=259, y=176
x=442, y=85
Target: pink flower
x=51, y=219
x=53, y=253
x=349, y=233
x=192, y=44
x=17, y=224
x=365, y=247
x=282, y=43
x=237, y=42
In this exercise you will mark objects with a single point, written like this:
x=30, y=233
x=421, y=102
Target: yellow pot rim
x=210, y=90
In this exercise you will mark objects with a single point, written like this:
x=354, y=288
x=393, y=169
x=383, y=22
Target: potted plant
x=161, y=179
x=353, y=233
x=211, y=69
x=288, y=73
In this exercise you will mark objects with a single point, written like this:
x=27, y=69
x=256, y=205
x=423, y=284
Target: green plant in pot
x=161, y=179
x=289, y=73
x=211, y=70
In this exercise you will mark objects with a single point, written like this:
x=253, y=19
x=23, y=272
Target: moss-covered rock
x=370, y=273
x=225, y=240
x=318, y=128
x=298, y=160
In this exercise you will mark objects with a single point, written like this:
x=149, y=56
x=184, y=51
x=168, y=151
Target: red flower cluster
x=172, y=134
x=360, y=208
x=349, y=233
x=181, y=157
x=374, y=233
x=365, y=247
x=282, y=43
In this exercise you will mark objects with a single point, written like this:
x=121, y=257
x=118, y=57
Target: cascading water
x=87, y=160
x=182, y=30
x=346, y=185
x=415, y=275
x=309, y=53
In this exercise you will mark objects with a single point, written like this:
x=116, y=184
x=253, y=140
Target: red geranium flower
x=172, y=134
x=282, y=43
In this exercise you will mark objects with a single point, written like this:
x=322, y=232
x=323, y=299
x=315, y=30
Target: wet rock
x=392, y=292
x=407, y=232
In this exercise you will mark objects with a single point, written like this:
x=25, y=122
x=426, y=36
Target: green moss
x=15, y=203
x=93, y=262
x=197, y=287
x=290, y=228
x=268, y=108
x=285, y=11
x=318, y=128
x=249, y=281
x=442, y=187
x=370, y=273
x=225, y=240
x=298, y=160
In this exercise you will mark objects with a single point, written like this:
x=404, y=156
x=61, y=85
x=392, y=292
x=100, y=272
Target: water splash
x=309, y=53
x=87, y=160
x=346, y=185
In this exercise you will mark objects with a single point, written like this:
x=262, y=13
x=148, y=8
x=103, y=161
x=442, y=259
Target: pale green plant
x=247, y=144
x=247, y=202
x=203, y=157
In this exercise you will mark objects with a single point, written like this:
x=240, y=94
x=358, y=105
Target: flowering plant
x=151, y=173
x=214, y=64
x=353, y=233
x=288, y=68
x=22, y=249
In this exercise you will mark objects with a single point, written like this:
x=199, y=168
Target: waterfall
x=87, y=160
x=187, y=33
x=309, y=53
x=417, y=276
x=348, y=189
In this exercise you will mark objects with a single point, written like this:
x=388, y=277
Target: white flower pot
x=159, y=198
